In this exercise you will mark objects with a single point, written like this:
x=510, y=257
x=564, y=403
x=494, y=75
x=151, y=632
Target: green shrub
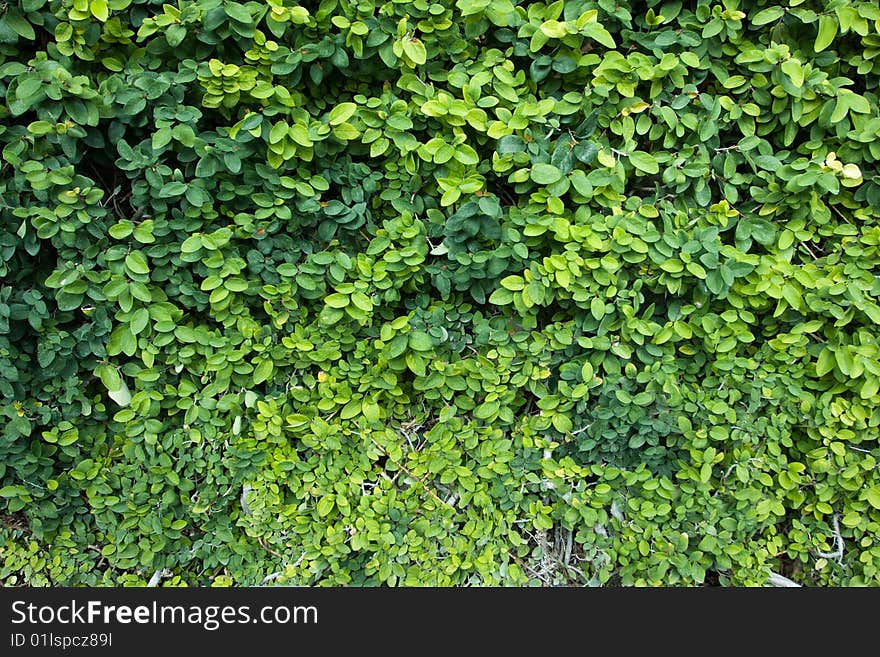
x=467, y=292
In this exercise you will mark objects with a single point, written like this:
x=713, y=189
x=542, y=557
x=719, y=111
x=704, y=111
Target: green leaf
x=12, y=491
x=844, y=360
x=191, y=244
x=175, y=34
x=371, y=411
x=825, y=362
x=599, y=34
x=705, y=472
x=870, y=387
x=235, y=284
x=545, y=174
x=841, y=108
x=172, y=189
x=587, y=372
x=415, y=50
x=858, y=104
x=510, y=144
x=337, y=300
x=768, y=15
x=278, y=132
x=109, y=376
x=562, y=423
x=362, y=301
x=121, y=395
x=263, y=371
x=99, y=9
x=420, y=341
x=137, y=263
x=19, y=24
x=40, y=128
x=794, y=70
x=184, y=134
x=872, y=495
x=762, y=230
x=597, y=308
x=501, y=297
x=139, y=320
x=793, y=296
x=300, y=134
x=586, y=151
x=28, y=87
x=161, y=138
x=466, y=155
x=513, y=282
x=122, y=340
x=325, y=505
x=342, y=112
x=644, y=162
x=554, y=29
x=827, y=32
x=238, y=12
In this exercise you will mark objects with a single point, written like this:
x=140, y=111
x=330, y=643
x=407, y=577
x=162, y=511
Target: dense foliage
x=464, y=291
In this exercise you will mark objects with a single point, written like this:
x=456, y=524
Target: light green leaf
x=137, y=263
x=191, y=244
x=587, y=372
x=415, y=50
x=263, y=371
x=337, y=300
x=644, y=162
x=562, y=423
x=600, y=34
x=300, y=134
x=109, y=376
x=362, y=301
x=825, y=362
x=139, y=320
x=342, y=112
x=12, y=491
x=768, y=15
x=420, y=341
x=554, y=29
x=827, y=32
x=794, y=70
x=371, y=411
x=793, y=296
x=870, y=387
x=325, y=505
x=122, y=395
x=501, y=297
x=873, y=496
x=278, y=132
x=545, y=174
x=513, y=282
x=99, y=9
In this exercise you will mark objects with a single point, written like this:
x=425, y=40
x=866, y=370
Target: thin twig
x=158, y=576
x=776, y=579
x=268, y=549
x=407, y=471
x=838, y=540
x=247, y=488
x=273, y=576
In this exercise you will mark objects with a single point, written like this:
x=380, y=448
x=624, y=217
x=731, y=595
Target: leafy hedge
x=467, y=292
